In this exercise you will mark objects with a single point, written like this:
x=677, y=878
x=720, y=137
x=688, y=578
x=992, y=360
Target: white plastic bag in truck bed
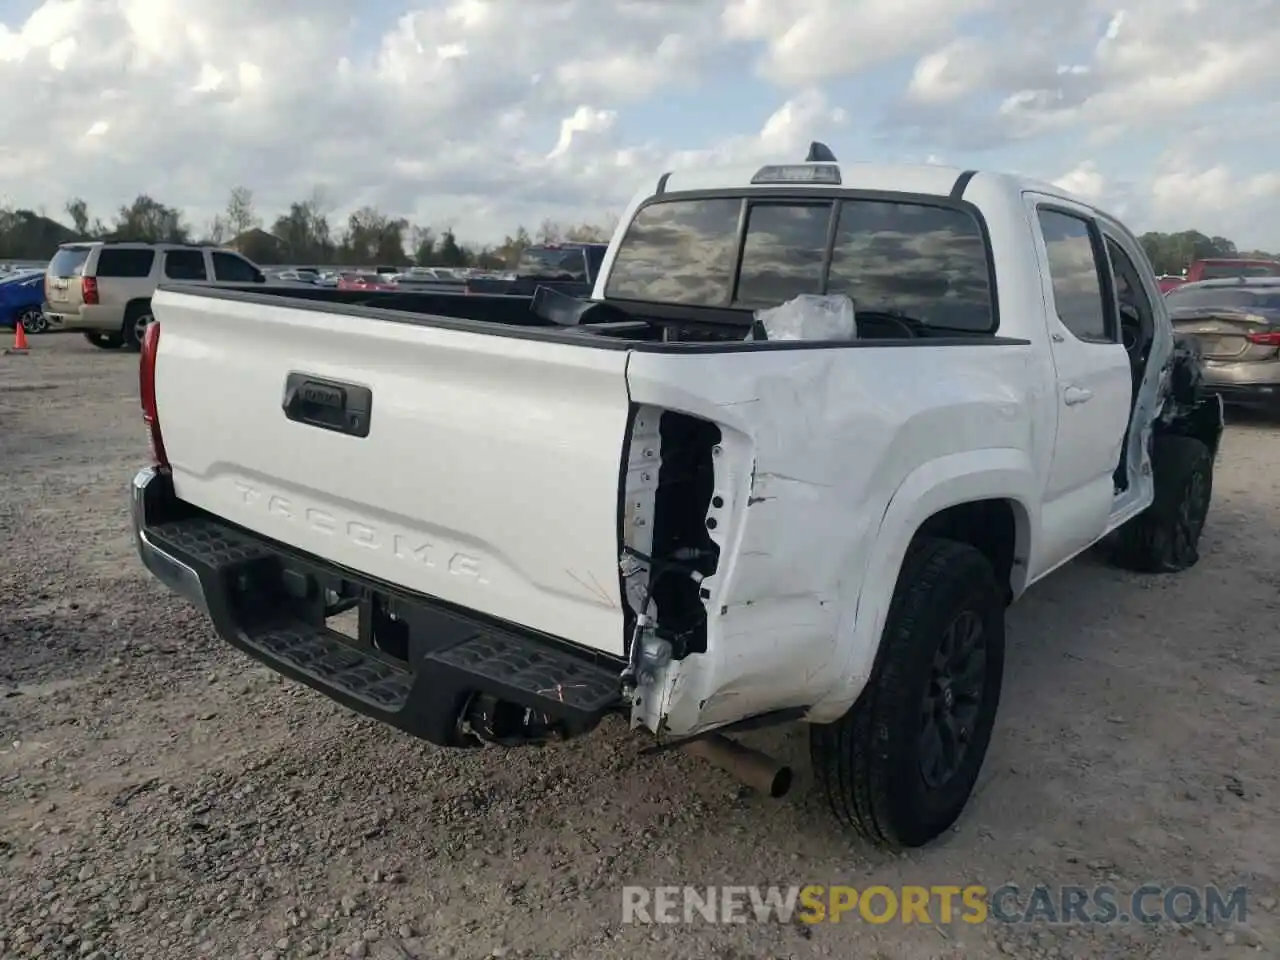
x=810, y=317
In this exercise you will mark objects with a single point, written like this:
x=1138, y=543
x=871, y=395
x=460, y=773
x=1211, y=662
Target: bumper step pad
x=457, y=655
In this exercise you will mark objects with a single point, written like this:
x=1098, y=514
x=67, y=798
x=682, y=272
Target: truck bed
x=617, y=324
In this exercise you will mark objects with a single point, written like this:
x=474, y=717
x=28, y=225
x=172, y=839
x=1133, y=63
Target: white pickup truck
x=548, y=510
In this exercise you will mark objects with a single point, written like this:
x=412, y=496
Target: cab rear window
x=927, y=262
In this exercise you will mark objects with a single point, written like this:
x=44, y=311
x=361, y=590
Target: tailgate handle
x=328, y=404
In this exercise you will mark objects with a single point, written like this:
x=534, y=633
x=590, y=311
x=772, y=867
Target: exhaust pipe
x=758, y=771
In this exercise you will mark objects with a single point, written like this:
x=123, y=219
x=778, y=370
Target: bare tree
x=217, y=231
x=78, y=211
x=240, y=216
x=549, y=232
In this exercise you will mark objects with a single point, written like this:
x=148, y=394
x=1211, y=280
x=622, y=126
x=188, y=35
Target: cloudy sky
x=485, y=113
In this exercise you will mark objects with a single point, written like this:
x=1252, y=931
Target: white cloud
x=1085, y=181
x=1185, y=193
x=811, y=40
x=1053, y=69
x=584, y=120
x=485, y=113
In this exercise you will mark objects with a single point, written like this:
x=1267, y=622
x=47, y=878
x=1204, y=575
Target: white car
x=662, y=503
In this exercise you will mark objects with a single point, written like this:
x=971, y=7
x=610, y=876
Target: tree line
x=1171, y=253
x=306, y=233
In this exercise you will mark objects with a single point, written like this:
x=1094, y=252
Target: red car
x=364, y=281
x=1221, y=268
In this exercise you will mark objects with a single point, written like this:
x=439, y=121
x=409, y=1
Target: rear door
x=183, y=265
x=1094, y=381
x=124, y=274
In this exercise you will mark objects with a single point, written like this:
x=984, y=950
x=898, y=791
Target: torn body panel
x=670, y=546
x=814, y=447
x=1187, y=409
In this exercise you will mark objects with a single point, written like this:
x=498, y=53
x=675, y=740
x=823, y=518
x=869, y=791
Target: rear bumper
x=1260, y=395
x=1250, y=384
x=97, y=318
x=418, y=664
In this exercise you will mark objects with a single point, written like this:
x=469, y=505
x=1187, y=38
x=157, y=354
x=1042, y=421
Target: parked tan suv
x=104, y=288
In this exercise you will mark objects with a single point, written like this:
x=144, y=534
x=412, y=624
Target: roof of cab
x=925, y=179
x=900, y=178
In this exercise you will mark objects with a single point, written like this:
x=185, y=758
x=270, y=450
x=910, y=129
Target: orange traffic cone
x=19, y=339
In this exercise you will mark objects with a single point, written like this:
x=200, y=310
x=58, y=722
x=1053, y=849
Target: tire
x=33, y=320
x=103, y=341
x=871, y=763
x=136, y=320
x=1165, y=538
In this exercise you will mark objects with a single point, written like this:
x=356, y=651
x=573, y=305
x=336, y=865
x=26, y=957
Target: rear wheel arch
x=999, y=528
x=947, y=496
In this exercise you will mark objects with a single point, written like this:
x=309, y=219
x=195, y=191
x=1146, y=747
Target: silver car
x=1236, y=323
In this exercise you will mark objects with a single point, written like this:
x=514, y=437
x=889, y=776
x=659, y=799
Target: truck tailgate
x=489, y=475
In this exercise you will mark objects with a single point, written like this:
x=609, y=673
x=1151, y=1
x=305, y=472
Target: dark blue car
x=22, y=301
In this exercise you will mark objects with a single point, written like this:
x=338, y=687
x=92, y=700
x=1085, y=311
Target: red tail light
x=1269, y=339
x=89, y=290
x=147, y=392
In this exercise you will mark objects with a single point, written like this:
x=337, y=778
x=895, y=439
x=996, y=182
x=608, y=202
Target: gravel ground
x=162, y=796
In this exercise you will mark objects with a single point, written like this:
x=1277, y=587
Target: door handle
x=1073, y=395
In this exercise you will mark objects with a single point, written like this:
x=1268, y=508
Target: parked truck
x=649, y=502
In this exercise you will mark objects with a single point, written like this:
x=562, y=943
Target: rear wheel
x=103, y=341
x=136, y=320
x=1165, y=538
x=899, y=767
x=33, y=320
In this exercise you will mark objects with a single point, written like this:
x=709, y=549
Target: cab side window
x=1079, y=287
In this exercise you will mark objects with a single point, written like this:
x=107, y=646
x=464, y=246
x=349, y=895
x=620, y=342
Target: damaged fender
x=931, y=488
x=827, y=462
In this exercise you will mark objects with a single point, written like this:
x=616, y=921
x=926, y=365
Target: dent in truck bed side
x=815, y=444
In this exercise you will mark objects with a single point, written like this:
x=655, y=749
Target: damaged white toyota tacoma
x=816, y=427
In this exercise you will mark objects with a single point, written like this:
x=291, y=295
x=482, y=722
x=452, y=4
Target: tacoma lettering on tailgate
x=413, y=550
